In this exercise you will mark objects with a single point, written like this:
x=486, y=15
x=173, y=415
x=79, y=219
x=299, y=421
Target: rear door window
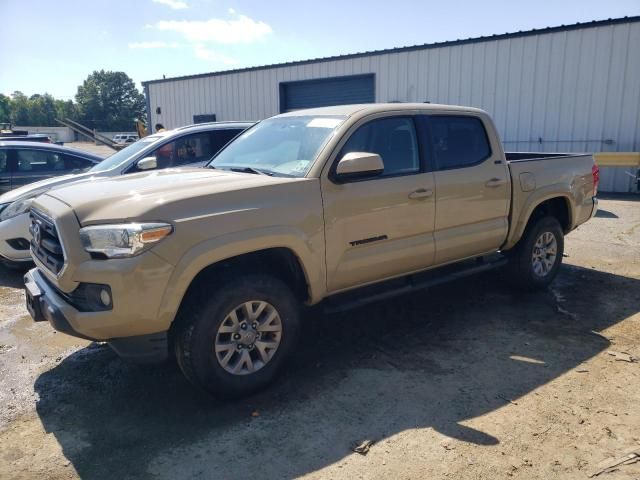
x=38, y=161
x=458, y=141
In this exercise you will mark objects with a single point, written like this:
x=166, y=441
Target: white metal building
x=572, y=88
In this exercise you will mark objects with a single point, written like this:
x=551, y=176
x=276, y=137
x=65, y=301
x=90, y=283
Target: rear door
x=472, y=187
x=5, y=173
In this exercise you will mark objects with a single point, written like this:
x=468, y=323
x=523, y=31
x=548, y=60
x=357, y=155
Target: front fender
x=232, y=245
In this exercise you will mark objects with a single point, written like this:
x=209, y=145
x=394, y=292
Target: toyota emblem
x=37, y=234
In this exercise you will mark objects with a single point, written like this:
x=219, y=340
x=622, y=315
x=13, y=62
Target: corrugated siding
x=568, y=91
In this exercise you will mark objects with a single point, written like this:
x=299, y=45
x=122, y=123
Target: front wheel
x=235, y=338
x=535, y=261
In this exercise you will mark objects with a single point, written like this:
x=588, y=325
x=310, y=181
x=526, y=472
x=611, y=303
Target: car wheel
x=234, y=342
x=535, y=261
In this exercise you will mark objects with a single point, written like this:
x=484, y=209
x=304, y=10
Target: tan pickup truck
x=339, y=206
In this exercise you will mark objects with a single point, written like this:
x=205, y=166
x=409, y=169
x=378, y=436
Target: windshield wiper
x=251, y=170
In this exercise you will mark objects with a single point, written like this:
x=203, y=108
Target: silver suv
x=193, y=145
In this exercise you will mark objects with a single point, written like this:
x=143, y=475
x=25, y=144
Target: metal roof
x=449, y=43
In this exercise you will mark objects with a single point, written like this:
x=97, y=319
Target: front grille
x=45, y=243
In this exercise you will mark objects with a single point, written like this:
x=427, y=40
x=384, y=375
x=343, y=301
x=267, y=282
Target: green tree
x=109, y=101
x=67, y=109
x=20, y=109
x=42, y=110
x=5, y=108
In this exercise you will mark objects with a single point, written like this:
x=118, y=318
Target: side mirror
x=356, y=165
x=147, y=163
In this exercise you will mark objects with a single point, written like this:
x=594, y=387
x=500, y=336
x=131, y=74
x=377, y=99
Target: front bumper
x=45, y=303
x=16, y=227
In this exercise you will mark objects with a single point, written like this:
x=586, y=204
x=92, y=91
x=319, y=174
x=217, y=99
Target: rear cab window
x=458, y=141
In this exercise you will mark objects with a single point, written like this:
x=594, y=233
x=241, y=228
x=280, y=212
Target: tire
x=530, y=267
x=210, y=324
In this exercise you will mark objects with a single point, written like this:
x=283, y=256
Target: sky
x=51, y=46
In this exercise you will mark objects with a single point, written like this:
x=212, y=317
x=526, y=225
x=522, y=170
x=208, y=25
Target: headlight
x=125, y=240
x=16, y=208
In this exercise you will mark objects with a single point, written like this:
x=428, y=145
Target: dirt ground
x=466, y=381
x=91, y=147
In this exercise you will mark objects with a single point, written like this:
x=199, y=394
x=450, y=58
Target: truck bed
x=526, y=156
x=537, y=176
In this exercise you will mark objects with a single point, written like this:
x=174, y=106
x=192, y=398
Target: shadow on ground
x=12, y=277
x=605, y=214
x=431, y=359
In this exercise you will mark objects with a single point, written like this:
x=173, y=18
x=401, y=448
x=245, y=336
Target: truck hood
x=38, y=188
x=162, y=195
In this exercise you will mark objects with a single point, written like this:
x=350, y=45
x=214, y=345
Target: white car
x=194, y=145
x=123, y=139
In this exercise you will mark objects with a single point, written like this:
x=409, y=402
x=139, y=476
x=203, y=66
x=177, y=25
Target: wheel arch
x=558, y=205
x=286, y=256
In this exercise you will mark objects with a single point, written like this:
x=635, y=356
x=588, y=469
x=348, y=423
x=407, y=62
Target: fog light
x=105, y=298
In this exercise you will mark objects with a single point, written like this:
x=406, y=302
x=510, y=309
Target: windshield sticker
x=324, y=122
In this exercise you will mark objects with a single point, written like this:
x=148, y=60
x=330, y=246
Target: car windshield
x=281, y=146
x=119, y=158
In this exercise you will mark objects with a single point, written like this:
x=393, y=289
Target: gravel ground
x=91, y=147
x=468, y=380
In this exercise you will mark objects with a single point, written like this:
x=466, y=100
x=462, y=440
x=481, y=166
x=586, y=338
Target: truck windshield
x=283, y=146
x=119, y=158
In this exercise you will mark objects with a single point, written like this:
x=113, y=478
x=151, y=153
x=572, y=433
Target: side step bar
x=418, y=281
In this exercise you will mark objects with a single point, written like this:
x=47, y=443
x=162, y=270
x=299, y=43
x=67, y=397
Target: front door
x=5, y=173
x=383, y=226
x=31, y=165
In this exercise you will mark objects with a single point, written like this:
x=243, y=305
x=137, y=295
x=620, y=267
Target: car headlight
x=124, y=240
x=16, y=208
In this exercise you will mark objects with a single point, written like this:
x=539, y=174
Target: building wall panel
x=567, y=90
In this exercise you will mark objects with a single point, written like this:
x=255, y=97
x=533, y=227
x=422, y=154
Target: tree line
x=105, y=101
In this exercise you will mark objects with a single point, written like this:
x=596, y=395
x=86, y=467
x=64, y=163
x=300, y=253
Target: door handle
x=494, y=183
x=421, y=193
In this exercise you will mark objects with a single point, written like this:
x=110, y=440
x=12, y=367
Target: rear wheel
x=535, y=261
x=235, y=341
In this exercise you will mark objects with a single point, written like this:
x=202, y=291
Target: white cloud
x=154, y=44
x=175, y=4
x=241, y=29
x=203, y=53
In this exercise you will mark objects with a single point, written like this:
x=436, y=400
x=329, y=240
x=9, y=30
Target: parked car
x=8, y=133
x=341, y=205
x=192, y=145
x=123, y=139
x=24, y=162
x=35, y=137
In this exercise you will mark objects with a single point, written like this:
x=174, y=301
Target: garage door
x=324, y=92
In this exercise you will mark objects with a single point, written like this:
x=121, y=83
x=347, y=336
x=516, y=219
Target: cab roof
x=369, y=108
